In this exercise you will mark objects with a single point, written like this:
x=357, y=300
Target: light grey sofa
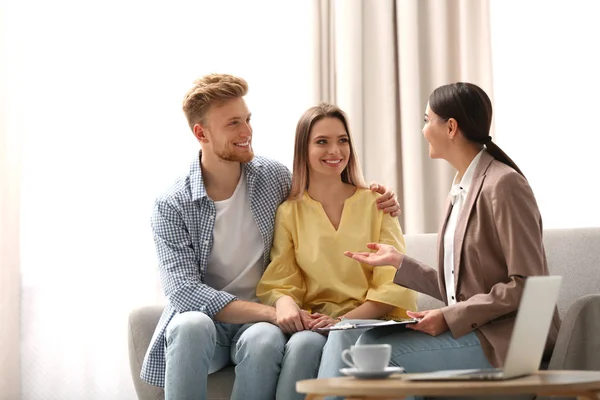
x=572, y=253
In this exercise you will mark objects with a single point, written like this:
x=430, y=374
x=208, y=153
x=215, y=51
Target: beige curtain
x=379, y=61
x=10, y=377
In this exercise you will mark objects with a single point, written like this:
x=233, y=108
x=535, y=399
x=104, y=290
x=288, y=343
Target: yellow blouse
x=308, y=262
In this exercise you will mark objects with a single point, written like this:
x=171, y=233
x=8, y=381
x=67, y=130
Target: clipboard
x=343, y=327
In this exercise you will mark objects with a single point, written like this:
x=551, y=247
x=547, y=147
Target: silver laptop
x=528, y=339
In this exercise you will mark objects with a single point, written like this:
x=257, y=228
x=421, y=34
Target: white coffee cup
x=368, y=357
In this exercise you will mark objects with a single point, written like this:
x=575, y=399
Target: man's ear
x=452, y=126
x=200, y=133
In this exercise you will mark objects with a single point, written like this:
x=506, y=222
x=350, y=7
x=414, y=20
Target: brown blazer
x=498, y=242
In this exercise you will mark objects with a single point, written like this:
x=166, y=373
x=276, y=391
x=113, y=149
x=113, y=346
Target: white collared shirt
x=458, y=193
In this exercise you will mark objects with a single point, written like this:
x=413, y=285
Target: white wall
x=546, y=72
x=95, y=94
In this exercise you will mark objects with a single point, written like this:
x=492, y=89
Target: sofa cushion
x=578, y=342
x=574, y=254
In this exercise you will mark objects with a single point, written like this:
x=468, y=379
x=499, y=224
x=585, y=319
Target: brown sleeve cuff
x=413, y=275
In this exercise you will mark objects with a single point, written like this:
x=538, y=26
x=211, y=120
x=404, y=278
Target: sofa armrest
x=578, y=342
x=142, y=322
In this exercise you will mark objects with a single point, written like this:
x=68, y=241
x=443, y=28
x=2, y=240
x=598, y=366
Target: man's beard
x=227, y=154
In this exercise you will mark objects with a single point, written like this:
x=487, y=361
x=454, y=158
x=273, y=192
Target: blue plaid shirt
x=183, y=221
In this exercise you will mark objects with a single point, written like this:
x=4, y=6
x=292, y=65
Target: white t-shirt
x=235, y=264
x=459, y=194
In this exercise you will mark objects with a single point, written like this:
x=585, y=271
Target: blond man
x=213, y=231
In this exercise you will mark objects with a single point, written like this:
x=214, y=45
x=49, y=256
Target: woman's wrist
x=398, y=258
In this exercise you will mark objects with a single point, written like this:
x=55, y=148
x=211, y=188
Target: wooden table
x=581, y=384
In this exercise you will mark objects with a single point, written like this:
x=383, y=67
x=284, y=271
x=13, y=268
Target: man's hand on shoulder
x=388, y=202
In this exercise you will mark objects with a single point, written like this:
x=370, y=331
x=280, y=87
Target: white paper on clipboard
x=343, y=327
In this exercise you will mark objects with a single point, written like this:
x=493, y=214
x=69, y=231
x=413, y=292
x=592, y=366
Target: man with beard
x=213, y=231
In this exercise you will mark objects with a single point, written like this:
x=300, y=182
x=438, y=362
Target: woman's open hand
x=384, y=255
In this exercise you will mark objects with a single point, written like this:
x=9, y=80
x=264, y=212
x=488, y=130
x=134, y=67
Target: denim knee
x=263, y=339
x=305, y=343
x=339, y=337
x=191, y=325
x=340, y=340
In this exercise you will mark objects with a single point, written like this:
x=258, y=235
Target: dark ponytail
x=501, y=156
x=471, y=107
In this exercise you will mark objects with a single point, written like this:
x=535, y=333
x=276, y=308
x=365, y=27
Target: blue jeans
x=338, y=341
x=198, y=346
x=413, y=350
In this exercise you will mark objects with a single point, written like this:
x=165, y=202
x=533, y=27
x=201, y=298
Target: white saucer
x=371, y=374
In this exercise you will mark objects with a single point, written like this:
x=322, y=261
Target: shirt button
x=211, y=217
x=206, y=242
x=452, y=297
x=473, y=326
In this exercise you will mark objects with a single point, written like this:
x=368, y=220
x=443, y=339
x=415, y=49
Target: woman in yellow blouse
x=330, y=209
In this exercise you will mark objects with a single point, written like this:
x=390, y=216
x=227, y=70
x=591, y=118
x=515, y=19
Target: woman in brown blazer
x=489, y=242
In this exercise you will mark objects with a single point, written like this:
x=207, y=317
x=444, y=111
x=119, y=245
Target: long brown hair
x=352, y=174
x=471, y=107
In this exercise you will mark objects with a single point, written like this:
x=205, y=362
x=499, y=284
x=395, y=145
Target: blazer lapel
x=440, y=243
x=461, y=225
